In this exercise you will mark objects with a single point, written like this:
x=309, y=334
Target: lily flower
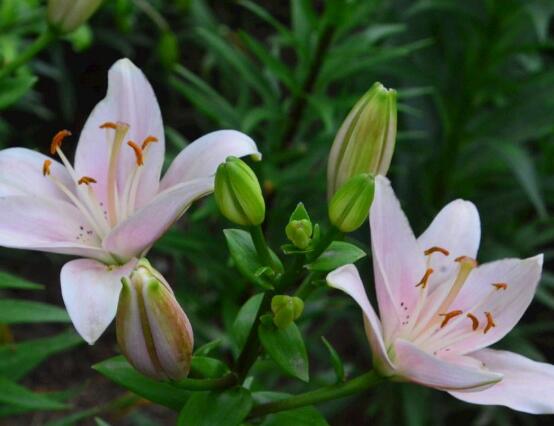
x=440, y=311
x=110, y=206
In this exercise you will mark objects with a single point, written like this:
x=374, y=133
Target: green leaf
x=14, y=88
x=335, y=360
x=100, y=422
x=206, y=367
x=338, y=253
x=227, y=408
x=16, y=360
x=14, y=394
x=305, y=416
x=13, y=311
x=207, y=348
x=244, y=254
x=118, y=370
x=286, y=347
x=245, y=319
x=299, y=213
x=8, y=280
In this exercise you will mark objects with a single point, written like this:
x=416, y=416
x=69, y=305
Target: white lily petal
x=136, y=234
x=90, y=291
x=201, y=158
x=527, y=385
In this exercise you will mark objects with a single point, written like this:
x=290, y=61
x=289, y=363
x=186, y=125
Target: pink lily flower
x=439, y=311
x=110, y=206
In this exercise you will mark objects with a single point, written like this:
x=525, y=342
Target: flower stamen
x=57, y=140
x=448, y=316
x=109, y=125
x=138, y=153
x=474, y=321
x=466, y=259
x=46, y=167
x=500, y=286
x=436, y=249
x=87, y=180
x=425, y=278
x=147, y=141
x=490, y=322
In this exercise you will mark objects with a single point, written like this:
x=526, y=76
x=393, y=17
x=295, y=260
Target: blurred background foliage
x=476, y=107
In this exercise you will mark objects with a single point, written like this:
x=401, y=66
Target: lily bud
x=286, y=309
x=350, y=205
x=238, y=194
x=68, y=15
x=365, y=141
x=153, y=331
x=299, y=232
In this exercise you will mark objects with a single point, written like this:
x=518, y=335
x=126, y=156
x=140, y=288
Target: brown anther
x=500, y=286
x=46, y=167
x=423, y=282
x=147, y=141
x=108, y=125
x=58, y=139
x=466, y=259
x=474, y=321
x=448, y=316
x=490, y=322
x=436, y=249
x=138, y=152
x=86, y=180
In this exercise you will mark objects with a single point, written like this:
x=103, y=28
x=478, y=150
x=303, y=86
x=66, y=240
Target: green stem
x=324, y=242
x=262, y=248
x=340, y=390
x=208, y=384
x=306, y=287
x=39, y=44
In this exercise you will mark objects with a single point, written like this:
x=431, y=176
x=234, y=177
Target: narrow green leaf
x=8, y=280
x=339, y=253
x=305, y=416
x=209, y=368
x=245, y=319
x=286, y=347
x=100, y=422
x=227, y=408
x=13, y=311
x=335, y=360
x=14, y=394
x=14, y=88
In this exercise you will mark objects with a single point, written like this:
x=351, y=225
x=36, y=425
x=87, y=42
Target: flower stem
x=306, y=287
x=208, y=384
x=340, y=390
x=262, y=248
x=324, y=242
x=39, y=44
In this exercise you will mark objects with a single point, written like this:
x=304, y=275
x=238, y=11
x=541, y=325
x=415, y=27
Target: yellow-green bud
x=350, y=205
x=153, y=331
x=238, y=193
x=286, y=309
x=299, y=232
x=365, y=141
x=68, y=15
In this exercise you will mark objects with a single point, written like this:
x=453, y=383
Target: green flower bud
x=350, y=205
x=238, y=193
x=299, y=232
x=153, y=331
x=68, y=15
x=365, y=141
x=286, y=309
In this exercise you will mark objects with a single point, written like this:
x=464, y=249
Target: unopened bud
x=350, y=205
x=68, y=15
x=299, y=232
x=365, y=141
x=153, y=331
x=286, y=309
x=238, y=193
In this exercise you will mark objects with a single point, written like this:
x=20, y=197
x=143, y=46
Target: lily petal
x=347, y=279
x=33, y=223
x=136, y=234
x=506, y=306
x=21, y=174
x=527, y=385
x=418, y=366
x=456, y=228
x=90, y=291
x=129, y=99
x=398, y=262
x=201, y=157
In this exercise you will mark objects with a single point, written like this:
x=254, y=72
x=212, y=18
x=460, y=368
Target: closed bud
x=350, y=205
x=286, y=310
x=365, y=141
x=68, y=15
x=153, y=331
x=299, y=232
x=238, y=193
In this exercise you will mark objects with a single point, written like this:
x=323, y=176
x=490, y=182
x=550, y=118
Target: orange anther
x=108, y=125
x=425, y=278
x=448, y=316
x=46, y=167
x=490, y=322
x=57, y=140
x=436, y=249
x=138, y=152
x=500, y=286
x=86, y=180
x=466, y=259
x=147, y=141
x=474, y=321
